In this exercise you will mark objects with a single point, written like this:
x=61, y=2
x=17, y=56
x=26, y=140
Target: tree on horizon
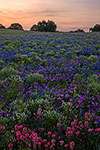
x=78, y=31
x=2, y=27
x=16, y=26
x=44, y=26
x=96, y=28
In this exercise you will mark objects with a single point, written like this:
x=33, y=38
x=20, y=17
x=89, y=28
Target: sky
x=67, y=14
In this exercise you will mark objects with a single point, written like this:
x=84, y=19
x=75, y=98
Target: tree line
x=41, y=26
x=47, y=26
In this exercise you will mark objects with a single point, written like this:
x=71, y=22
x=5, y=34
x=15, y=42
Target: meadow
x=49, y=91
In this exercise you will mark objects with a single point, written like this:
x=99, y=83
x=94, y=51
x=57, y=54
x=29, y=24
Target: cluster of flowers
x=31, y=139
x=81, y=130
x=68, y=76
x=74, y=134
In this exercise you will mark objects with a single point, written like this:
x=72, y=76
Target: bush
x=96, y=28
x=51, y=53
x=21, y=111
x=94, y=84
x=44, y=26
x=93, y=58
x=15, y=26
x=7, y=72
x=2, y=27
x=35, y=77
x=33, y=54
x=12, y=87
x=79, y=134
x=69, y=54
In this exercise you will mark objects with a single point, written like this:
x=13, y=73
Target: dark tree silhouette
x=96, y=28
x=44, y=26
x=51, y=26
x=2, y=27
x=16, y=26
x=34, y=28
x=77, y=31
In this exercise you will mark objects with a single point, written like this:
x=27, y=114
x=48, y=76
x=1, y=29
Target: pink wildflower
x=86, y=123
x=39, y=145
x=46, y=146
x=53, y=141
x=18, y=134
x=66, y=145
x=58, y=124
x=61, y=142
x=10, y=145
x=49, y=133
x=44, y=141
x=77, y=133
x=80, y=122
x=24, y=129
x=26, y=135
x=3, y=128
x=90, y=130
x=53, y=135
x=72, y=143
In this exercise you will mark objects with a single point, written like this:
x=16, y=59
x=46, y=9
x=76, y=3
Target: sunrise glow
x=67, y=14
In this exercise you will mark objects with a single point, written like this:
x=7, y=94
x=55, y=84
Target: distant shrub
x=44, y=26
x=79, y=78
x=83, y=57
x=13, y=86
x=35, y=77
x=97, y=46
x=57, y=54
x=77, y=52
x=37, y=58
x=33, y=54
x=78, y=30
x=1, y=63
x=94, y=84
x=62, y=51
x=43, y=62
x=98, y=52
x=2, y=27
x=21, y=113
x=51, y=116
x=7, y=72
x=14, y=79
x=24, y=57
x=51, y=53
x=93, y=58
x=69, y=54
x=96, y=28
x=75, y=58
x=16, y=26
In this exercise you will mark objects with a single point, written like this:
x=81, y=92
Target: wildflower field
x=49, y=91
